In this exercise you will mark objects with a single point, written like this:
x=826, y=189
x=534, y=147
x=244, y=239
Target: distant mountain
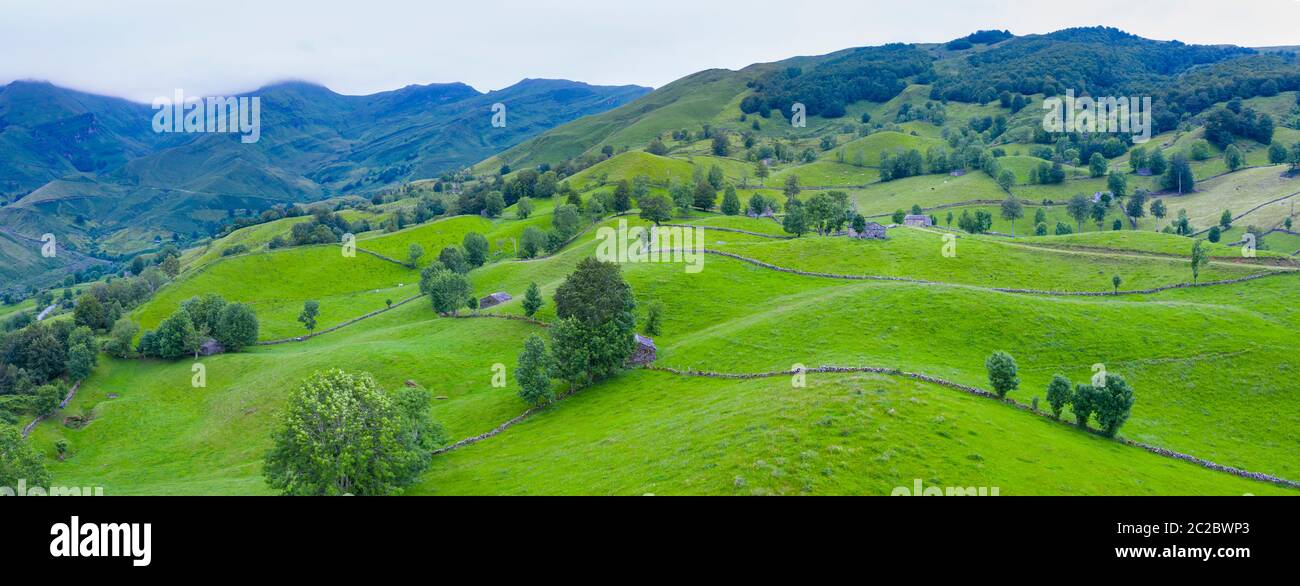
x=1184, y=80
x=91, y=168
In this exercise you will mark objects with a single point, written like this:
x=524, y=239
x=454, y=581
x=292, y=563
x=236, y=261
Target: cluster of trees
x=1111, y=403
x=592, y=339
x=824, y=213
x=35, y=358
x=343, y=434
x=324, y=227
x=1279, y=154
x=870, y=73
x=233, y=325
x=1222, y=124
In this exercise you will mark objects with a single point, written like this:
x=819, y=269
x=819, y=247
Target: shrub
x=1002, y=373
x=1058, y=394
x=1113, y=403
x=1082, y=403
x=534, y=372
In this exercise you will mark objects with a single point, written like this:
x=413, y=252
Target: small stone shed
x=493, y=300
x=643, y=353
x=918, y=220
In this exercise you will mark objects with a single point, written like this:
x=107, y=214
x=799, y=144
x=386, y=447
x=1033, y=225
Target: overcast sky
x=144, y=48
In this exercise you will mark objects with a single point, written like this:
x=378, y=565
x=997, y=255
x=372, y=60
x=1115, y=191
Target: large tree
x=595, y=335
x=342, y=434
x=1012, y=211
x=534, y=372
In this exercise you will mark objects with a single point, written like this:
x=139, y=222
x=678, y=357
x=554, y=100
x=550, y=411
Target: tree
x=622, y=196
x=310, y=310
x=342, y=434
x=1158, y=209
x=1113, y=403
x=19, y=461
x=493, y=204
x=1058, y=394
x=1225, y=220
x=654, y=318
x=1079, y=208
x=656, y=208
x=791, y=189
x=89, y=312
x=531, y=242
x=1157, y=163
x=1179, y=175
x=1082, y=404
x=413, y=255
x=453, y=259
x=476, y=249
x=595, y=334
x=1215, y=234
x=795, y=221
x=1117, y=183
x=532, y=300
x=704, y=196
x=1276, y=154
x=1115, y=282
x=899, y=216
x=760, y=171
x=721, y=146
x=120, y=338
x=176, y=336
x=171, y=266
x=448, y=291
x=534, y=372
x=1200, y=258
x=1097, y=165
x=1233, y=158
x=523, y=208
x=237, y=327
x=1137, y=158
x=566, y=220
x=730, y=201
x=1006, y=179
x=1012, y=211
x=1002, y=373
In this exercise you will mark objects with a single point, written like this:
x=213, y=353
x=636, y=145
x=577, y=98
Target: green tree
x=1097, y=165
x=534, y=372
x=730, y=201
x=119, y=340
x=760, y=170
x=795, y=221
x=453, y=259
x=1079, y=208
x=532, y=242
x=1200, y=257
x=1117, y=183
x=1158, y=210
x=476, y=249
x=1082, y=403
x=307, y=318
x=1115, y=282
x=413, y=255
x=1225, y=220
x=1276, y=153
x=656, y=208
x=1178, y=177
x=523, y=208
x=19, y=461
x=1012, y=211
x=448, y=291
x=532, y=300
x=1006, y=179
x=1058, y=394
x=1001, y=368
x=595, y=334
x=176, y=336
x=494, y=203
x=1233, y=158
x=237, y=327
x=1113, y=404
x=705, y=195
x=89, y=312
x=899, y=216
x=654, y=318
x=339, y=434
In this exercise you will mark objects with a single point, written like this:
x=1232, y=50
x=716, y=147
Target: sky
x=140, y=49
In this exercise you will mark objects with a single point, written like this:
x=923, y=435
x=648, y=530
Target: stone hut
x=494, y=300
x=917, y=220
x=643, y=353
x=872, y=231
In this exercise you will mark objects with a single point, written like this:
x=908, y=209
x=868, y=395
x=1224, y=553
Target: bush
x=534, y=372
x=1113, y=403
x=654, y=318
x=1058, y=394
x=119, y=340
x=532, y=300
x=1002, y=373
x=1082, y=403
x=237, y=327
